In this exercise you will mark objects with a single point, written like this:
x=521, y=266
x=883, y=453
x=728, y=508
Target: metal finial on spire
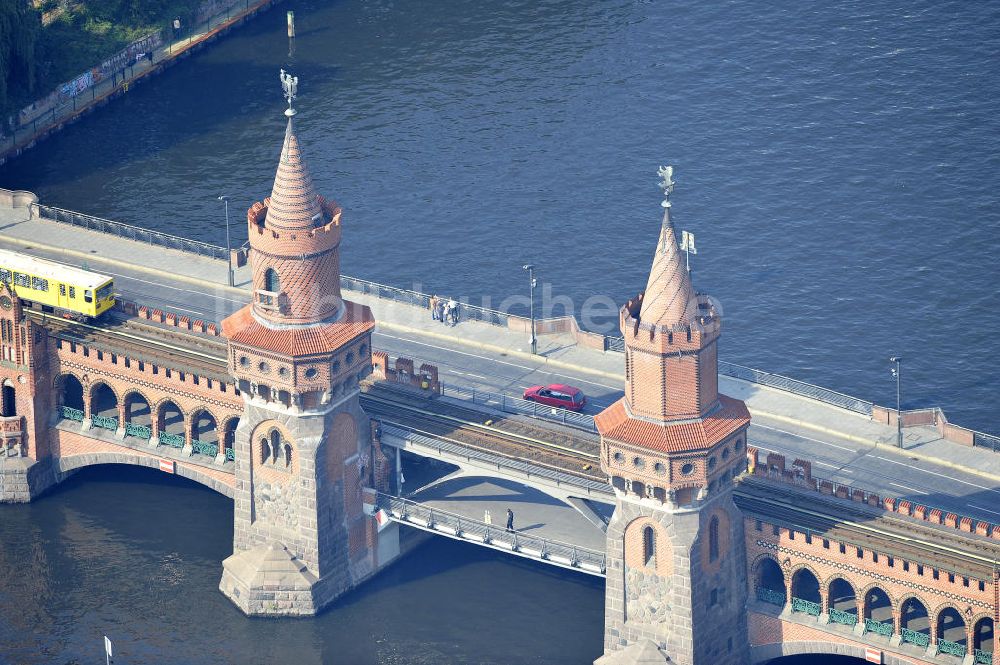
x=290, y=84
x=667, y=185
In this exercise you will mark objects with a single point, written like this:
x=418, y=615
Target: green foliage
x=20, y=26
x=80, y=34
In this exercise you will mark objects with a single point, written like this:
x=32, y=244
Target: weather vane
x=290, y=84
x=667, y=185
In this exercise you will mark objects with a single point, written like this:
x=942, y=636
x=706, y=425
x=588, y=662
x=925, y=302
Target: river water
x=837, y=163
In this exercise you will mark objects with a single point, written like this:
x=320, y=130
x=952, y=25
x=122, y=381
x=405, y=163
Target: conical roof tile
x=294, y=204
x=669, y=299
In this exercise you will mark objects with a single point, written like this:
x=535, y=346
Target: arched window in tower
x=275, y=444
x=648, y=546
x=288, y=455
x=9, y=401
x=265, y=450
x=713, y=539
x=271, y=281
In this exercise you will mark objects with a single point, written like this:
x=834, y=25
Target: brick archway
x=950, y=623
x=65, y=465
x=762, y=653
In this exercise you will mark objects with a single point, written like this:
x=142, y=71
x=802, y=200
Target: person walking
x=434, y=308
x=453, y=310
x=446, y=312
x=510, y=520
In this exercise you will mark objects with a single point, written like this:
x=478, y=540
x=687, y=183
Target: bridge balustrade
x=806, y=606
x=510, y=404
x=172, y=440
x=138, y=431
x=104, y=422
x=230, y=455
x=844, y=618
x=69, y=413
x=771, y=596
x=983, y=657
x=878, y=627
x=916, y=637
x=949, y=647
x=202, y=448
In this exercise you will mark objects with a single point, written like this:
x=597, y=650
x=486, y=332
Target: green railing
x=984, y=657
x=770, y=596
x=203, y=448
x=949, y=647
x=846, y=618
x=915, y=637
x=878, y=627
x=106, y=422
x=172, y=440
x=138, y=431
x=806, y=606
x=69, y=413
x=230, y=455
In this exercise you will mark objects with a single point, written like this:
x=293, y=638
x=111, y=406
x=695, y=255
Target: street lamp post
x=229, y=248
x=896, y=371
x=531, y=281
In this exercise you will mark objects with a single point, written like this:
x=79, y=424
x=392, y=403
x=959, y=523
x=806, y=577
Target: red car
x=557, y=394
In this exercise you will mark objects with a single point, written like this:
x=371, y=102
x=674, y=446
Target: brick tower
x=303, y=443
x=671, y=447
x=24, y=403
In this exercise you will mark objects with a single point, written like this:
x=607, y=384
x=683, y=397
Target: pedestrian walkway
x=796, y=414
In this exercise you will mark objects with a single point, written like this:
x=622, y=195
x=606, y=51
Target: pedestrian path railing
x=128, y=231
x=501, y=463
x=795, y=386
x=459, y=527
x=512, y=404
x=844, y=618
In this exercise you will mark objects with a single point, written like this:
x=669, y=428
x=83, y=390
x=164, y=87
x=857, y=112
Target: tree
x=20, y=27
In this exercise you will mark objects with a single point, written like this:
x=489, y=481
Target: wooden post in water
x=291, y=24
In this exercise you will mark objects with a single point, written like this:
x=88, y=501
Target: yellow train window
x=72, y=292
x=62, y=289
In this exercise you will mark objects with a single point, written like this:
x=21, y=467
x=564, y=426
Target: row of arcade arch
x=913, y=620
x=101, y=407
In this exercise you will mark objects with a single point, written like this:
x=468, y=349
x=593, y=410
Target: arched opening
x=138, y=416
x=8, y=400
x=70, y=392
x=275, y=444
x=229, y=438
x=170, y=425
x=204, y=434
x=982, y=638
x=713, y=539
x=265, y=450
x=770, y=582
x=914, y=622
x=842, y=602
x=951, y=632
x=272, y=282
x=685, y=496
x=103, y=407
x=648, y=546
x=288, y=455
x=878, y=612
x=805, y=593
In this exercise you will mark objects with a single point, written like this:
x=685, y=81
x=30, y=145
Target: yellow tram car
x=55, y=286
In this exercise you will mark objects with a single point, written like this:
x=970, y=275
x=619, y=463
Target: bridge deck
x=845, y=446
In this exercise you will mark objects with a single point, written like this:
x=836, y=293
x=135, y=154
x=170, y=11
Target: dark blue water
x=838, y=163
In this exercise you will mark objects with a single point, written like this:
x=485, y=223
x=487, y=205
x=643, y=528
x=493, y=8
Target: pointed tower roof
x=669, y=299
x=294, y=204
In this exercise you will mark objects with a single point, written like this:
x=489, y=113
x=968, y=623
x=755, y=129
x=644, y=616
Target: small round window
x=244, y=361
x=711, y=462
x=739, y=444
x=264, y=367
x=687, y=469
x=725, y=453
x=349, y=358
x=282, y=371
x=659, y=468
x=336, y=365
x=638, y=462
x=619, y=458
x=311, y=373
x=362, y=349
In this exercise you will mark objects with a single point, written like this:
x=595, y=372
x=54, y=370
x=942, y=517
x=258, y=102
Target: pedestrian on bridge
x=453, y=312
x=510, y=520
x=434, y=308
x=445, y=312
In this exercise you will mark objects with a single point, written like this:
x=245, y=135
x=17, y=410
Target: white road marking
x=908, y=488
x=935, y=473
x=802, y=436
x=983, y=509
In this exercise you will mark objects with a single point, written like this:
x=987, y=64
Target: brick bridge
x=714, y=554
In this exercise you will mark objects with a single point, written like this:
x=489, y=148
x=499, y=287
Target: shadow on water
x=136, y=555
